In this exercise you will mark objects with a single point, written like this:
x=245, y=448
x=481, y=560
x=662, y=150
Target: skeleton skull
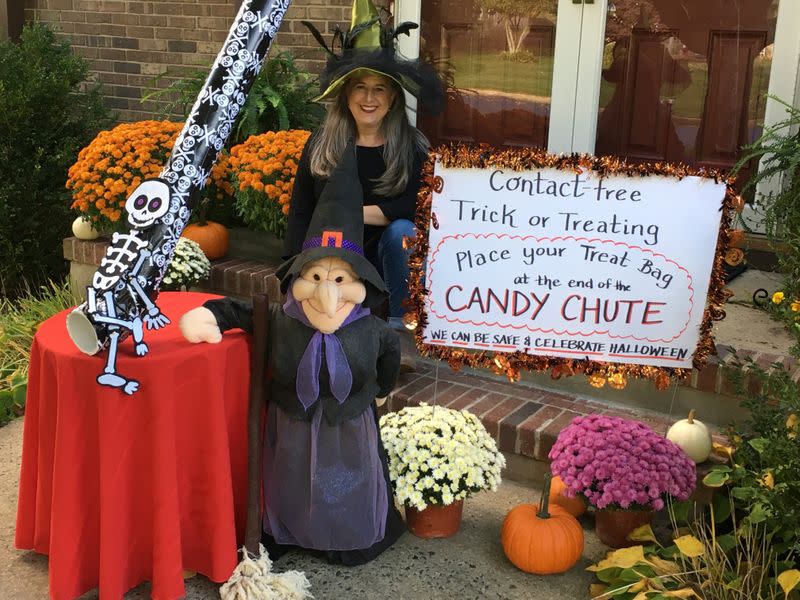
x=148, y=203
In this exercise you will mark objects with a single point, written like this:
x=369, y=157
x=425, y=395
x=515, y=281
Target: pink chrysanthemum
x=615, y=462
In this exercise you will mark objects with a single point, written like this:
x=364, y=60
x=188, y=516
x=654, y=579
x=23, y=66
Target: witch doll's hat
x=337, y=229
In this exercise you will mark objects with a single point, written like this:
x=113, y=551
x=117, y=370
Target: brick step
x=523, y=419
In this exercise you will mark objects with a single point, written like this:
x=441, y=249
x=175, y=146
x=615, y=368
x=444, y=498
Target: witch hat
x=369, y=46
x=337, y=229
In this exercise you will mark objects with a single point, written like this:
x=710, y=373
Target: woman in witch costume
x=365, y=83
x=325, y=476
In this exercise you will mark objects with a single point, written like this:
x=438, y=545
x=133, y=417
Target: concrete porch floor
x=469, y=566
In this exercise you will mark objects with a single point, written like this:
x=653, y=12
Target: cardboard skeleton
x=121, y=300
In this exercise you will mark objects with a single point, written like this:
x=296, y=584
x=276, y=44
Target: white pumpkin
x=83, y=229
x=692, y=436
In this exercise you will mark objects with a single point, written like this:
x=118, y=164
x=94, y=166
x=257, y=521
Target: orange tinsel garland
x=521, y=159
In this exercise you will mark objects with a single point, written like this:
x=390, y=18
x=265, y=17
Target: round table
x=120, y=489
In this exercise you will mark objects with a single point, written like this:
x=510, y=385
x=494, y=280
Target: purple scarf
x=341, y=378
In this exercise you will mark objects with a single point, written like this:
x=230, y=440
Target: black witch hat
x=337, y=229
x=370, y=46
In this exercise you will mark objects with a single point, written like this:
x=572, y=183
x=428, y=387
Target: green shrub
x=45, y=119
x=764, y=471
x=19, y=320
x=281, y=98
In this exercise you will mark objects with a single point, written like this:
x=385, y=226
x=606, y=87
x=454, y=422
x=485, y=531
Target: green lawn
x=493, y=72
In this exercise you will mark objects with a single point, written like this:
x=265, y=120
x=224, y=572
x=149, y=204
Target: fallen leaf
x=793, y=425
x=663, y=567
x=596, y=590
x=643, y=534
x=624, y=558
x=792, y=421
x=682, y=593
x=722, y=450
x=788, y=580
x=690, y=546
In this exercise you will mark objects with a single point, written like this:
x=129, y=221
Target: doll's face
x=328, y=289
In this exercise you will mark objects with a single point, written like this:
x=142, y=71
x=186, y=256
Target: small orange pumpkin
x=212, y=238
x=574, y=505
x=541, y=539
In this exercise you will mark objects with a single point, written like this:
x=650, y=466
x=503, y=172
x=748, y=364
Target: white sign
x=571, y=265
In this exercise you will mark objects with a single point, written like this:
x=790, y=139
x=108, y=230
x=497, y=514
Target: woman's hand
x=373, y=215
x=200, y=325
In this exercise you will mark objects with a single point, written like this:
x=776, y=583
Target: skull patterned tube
x=121, y=300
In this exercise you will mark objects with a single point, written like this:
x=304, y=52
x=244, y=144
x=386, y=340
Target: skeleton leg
x=91, y=299
x=110, y=377
x=137, y=330
x=138, y=337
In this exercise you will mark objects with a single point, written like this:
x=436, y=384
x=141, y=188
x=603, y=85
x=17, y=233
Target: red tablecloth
x=121, y=489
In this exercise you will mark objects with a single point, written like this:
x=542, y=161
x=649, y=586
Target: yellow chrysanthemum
x=777, y=297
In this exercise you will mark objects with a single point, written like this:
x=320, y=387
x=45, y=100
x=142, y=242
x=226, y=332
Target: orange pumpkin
x=541, y=539
x=574, y=505
x=212, y=237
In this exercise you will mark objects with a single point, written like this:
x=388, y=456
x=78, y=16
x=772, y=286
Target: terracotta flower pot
x=435, y=521
x=614, y=525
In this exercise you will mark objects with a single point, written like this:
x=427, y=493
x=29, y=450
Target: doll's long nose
x=327, y=294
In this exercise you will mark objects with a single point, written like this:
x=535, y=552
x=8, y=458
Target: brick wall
x=128, y=43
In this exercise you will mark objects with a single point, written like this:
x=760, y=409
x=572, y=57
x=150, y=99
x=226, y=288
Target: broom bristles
x=253, y=579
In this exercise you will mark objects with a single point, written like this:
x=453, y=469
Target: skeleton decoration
x=121, y=299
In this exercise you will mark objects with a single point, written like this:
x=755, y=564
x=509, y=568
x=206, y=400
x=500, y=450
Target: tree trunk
x=514, y=43
x=509, y=37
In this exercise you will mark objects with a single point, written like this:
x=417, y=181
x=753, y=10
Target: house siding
x=128, y=43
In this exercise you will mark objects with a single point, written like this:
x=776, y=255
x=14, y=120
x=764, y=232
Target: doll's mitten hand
x=199, y=325
x=380, y=401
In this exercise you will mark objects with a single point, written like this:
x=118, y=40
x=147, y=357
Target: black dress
x=372, y=350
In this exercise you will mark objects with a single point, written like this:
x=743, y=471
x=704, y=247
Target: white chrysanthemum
x=439, y=455
x=188, y=266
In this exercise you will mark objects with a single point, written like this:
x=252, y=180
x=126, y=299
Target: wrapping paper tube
x=122, y=297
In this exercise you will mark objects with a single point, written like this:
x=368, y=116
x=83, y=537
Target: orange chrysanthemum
x=259, y=173
x=114, y=163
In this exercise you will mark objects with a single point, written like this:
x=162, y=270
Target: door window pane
x=684, y=80
x=498, y=58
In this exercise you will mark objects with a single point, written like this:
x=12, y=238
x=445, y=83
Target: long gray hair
x=401, y=141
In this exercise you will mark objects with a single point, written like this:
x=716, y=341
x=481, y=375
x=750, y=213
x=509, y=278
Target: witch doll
x=325, y=476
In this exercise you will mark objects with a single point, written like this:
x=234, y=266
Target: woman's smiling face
x=369, y=98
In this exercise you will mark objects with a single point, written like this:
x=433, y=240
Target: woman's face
x=369, y=98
